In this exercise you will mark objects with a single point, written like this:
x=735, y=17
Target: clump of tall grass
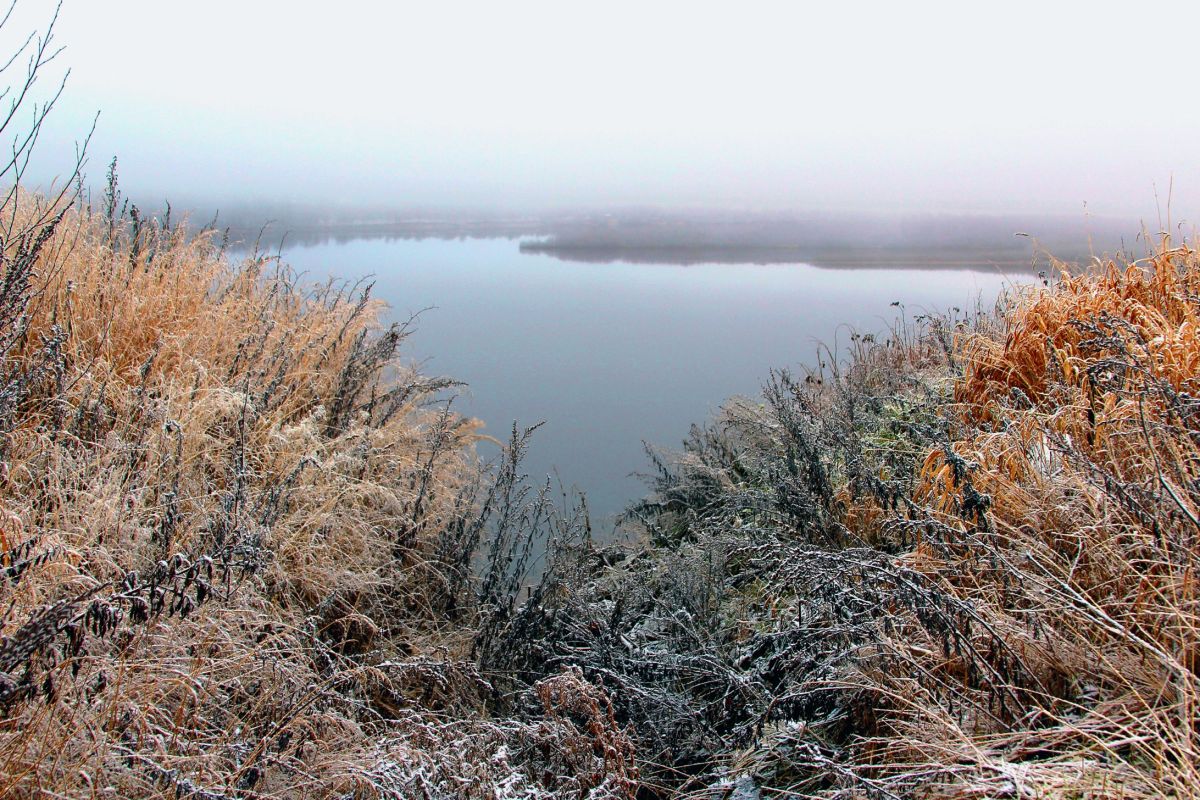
x=1077, y=423
x=961, y=563
x=238, y=538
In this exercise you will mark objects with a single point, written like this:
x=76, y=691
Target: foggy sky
x=1014, y=106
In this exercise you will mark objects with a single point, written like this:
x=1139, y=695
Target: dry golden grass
x=1076, y=423
x=224, y=511
x=234, y=535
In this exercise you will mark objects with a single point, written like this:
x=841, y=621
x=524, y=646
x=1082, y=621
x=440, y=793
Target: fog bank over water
x=540, y=106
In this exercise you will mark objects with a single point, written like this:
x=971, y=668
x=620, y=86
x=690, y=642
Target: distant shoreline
x=830, y=258
x=922, y=241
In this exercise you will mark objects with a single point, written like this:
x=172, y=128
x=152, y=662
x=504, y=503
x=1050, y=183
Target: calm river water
x=614, y=355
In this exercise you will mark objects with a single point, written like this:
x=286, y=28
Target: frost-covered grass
x=961, y=564
x=238, y=536
x=247, y=552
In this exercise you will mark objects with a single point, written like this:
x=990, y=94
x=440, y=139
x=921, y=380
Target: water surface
x=613, y=354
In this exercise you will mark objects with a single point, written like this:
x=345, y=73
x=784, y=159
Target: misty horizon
x=936, y=108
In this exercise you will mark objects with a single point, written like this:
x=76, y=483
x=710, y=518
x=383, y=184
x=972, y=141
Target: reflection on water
x=611, y=355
